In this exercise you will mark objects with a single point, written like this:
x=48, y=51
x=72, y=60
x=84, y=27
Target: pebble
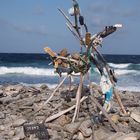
x=80, y=136
x=19, y=122
x=2, y=115
x=72, y=127
x=135, y=116
x=85, y=128
x=44, y=87
x=19, y=134
x=2, y=128
x=63, y=120
x=130, y=138
x=11, y=133
x=115, y=118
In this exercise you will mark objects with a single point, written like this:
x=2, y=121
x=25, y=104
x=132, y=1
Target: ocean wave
x=50, y=71
x=130, y=88
x=119, y=66
x=124, y=72
x=27, y=71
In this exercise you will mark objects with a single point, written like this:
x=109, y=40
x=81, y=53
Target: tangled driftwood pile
x=84, y=61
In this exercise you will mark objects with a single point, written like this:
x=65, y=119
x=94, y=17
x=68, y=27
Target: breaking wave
x=125, y=66
x=125, y=72
x=129, y=88
x=27, y=71
x=50, y=71
x=119, y=66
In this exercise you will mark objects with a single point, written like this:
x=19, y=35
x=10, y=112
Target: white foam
x=124, y=72
x=119, y=66
x=51, y=86
x=27, y=71
x=131, y=89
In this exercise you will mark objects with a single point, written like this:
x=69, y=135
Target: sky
x=27, y=26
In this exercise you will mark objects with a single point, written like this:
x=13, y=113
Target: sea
x=36, y=69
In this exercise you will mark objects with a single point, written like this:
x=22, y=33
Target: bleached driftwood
x=117, y=96
x=50, y=96
x=63, y=112
x=78, y=96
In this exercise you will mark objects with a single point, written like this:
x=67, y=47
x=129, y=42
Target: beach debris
x=9, y=99
x=115, y=118
x=106, y=115
x=78, y=96
x=72, y=127
x=12, y=128
x=82, y=62
x=117, y=96
x=63, y=120
x=13, y=91
x=44, y=87
x=63, y=112
x=19, y=122
x=136, y=116
x=86, y=128
x=49, y=97
x=2, y=115
x=18, y=134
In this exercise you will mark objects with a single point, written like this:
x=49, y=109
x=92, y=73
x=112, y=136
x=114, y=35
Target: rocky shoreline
x=19, y=102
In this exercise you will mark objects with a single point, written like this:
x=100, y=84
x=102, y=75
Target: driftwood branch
x=67, y=58
x=50, y=96
x=63, y=112
x=78, y=97
x=70, y=82
x=119, y=101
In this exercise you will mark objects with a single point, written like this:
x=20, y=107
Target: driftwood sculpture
x=83, y=61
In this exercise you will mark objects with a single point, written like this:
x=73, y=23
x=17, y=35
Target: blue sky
x=27, y=26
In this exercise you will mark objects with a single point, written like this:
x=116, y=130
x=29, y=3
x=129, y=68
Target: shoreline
x=53, y=86
x=17, y=102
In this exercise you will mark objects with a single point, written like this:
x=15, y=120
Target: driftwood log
x=78, y=97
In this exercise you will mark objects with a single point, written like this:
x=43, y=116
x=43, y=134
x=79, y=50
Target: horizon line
x=46, y=53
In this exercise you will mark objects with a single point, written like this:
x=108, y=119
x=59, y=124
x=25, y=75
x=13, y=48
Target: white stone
x=2, y=128
x=130, y=138
x=80, y=136
x=19, y=122
x=135, y=116
x=11, y=133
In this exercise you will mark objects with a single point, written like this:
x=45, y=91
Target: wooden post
x=78, y=97
x=119, y=101
x=70, y=79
